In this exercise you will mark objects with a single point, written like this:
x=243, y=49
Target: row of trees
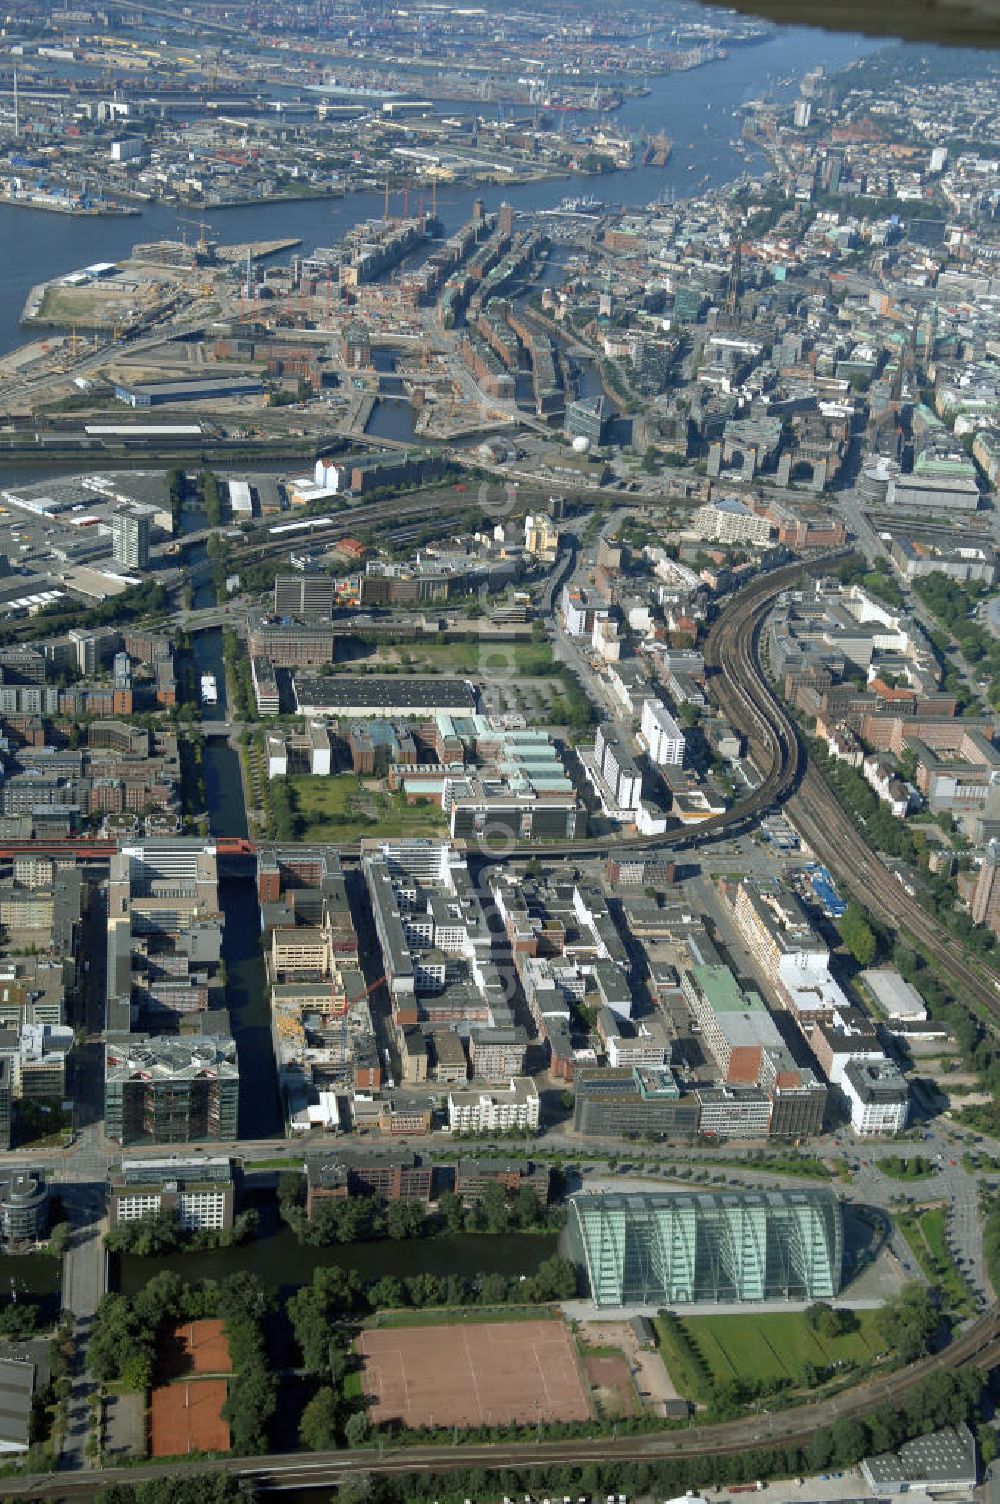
x=137, y=604
x=177, y=490
x=336, y=1294
x=160, y=1232
x=858, y=935
x=211, y=497
x=944, y=1399
x=358, y=1219
x=285, y=823
x=954, y=605
x=237, y=665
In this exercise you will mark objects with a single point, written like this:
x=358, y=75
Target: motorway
x=978, y=1346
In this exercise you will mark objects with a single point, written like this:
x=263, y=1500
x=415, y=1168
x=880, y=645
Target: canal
x=279, y=1261
x=246, y=991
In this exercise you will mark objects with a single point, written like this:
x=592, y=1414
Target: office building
x=199, y=1192
x=498, y=1054
x=736, y=1025
x=677, y=1247
x=878, y=1097
x=171, y=1090
x=6, y=1099
x=590, y=418
x=304, y=594
x=435, y=940
x=393, y=1176
x=130, y=535
x=24, y=1206
x=633, y=1100
x=791, y=954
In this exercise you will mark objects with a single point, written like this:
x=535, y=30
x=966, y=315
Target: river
x=695, y=109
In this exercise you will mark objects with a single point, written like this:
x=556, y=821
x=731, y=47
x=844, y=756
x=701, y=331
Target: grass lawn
x=335, y=809
x=767, y=1345
x=924, y=1231
x=805, y=1165
x=476, y=657
x=462, y=1316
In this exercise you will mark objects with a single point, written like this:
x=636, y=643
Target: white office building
x=878, y=1097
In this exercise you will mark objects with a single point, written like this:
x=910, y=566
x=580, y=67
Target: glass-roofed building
x=677, y=1247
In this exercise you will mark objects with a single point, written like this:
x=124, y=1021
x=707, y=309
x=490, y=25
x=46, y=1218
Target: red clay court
x=187, y=1417
x=196, y=1347
x=472, y=1375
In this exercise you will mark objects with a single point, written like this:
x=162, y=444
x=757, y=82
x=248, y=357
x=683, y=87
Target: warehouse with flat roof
x=382, y=695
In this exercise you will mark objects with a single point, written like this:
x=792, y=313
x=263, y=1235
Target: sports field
x=492, y=1374
x=187, y=1417
x=766, y=1346
x=196, y=1347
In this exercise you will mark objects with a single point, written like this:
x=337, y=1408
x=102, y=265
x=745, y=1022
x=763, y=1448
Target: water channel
x=246, y=995
x=277, y=1258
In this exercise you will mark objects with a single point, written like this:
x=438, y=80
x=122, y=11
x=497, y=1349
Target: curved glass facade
x=683, y=1247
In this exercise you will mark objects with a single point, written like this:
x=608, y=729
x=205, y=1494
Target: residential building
x=130, y=537
x=663, y=737
x=729, y=520
x=496, y=1111
x=986, y=899
x=617, y=767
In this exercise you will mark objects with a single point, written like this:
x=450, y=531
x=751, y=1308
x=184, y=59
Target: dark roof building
x=17, y=1385
x=382, y=695
x=942, y=1462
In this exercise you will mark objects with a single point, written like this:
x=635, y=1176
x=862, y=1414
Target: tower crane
x=202, y=227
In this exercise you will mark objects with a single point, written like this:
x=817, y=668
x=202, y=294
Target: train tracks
x=830, y=832
x=977, y=1347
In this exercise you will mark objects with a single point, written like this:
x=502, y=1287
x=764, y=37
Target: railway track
x=978, y=1346
x=831, y=833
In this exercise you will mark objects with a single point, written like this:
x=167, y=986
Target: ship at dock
x=209, y=690
x=658, y=151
